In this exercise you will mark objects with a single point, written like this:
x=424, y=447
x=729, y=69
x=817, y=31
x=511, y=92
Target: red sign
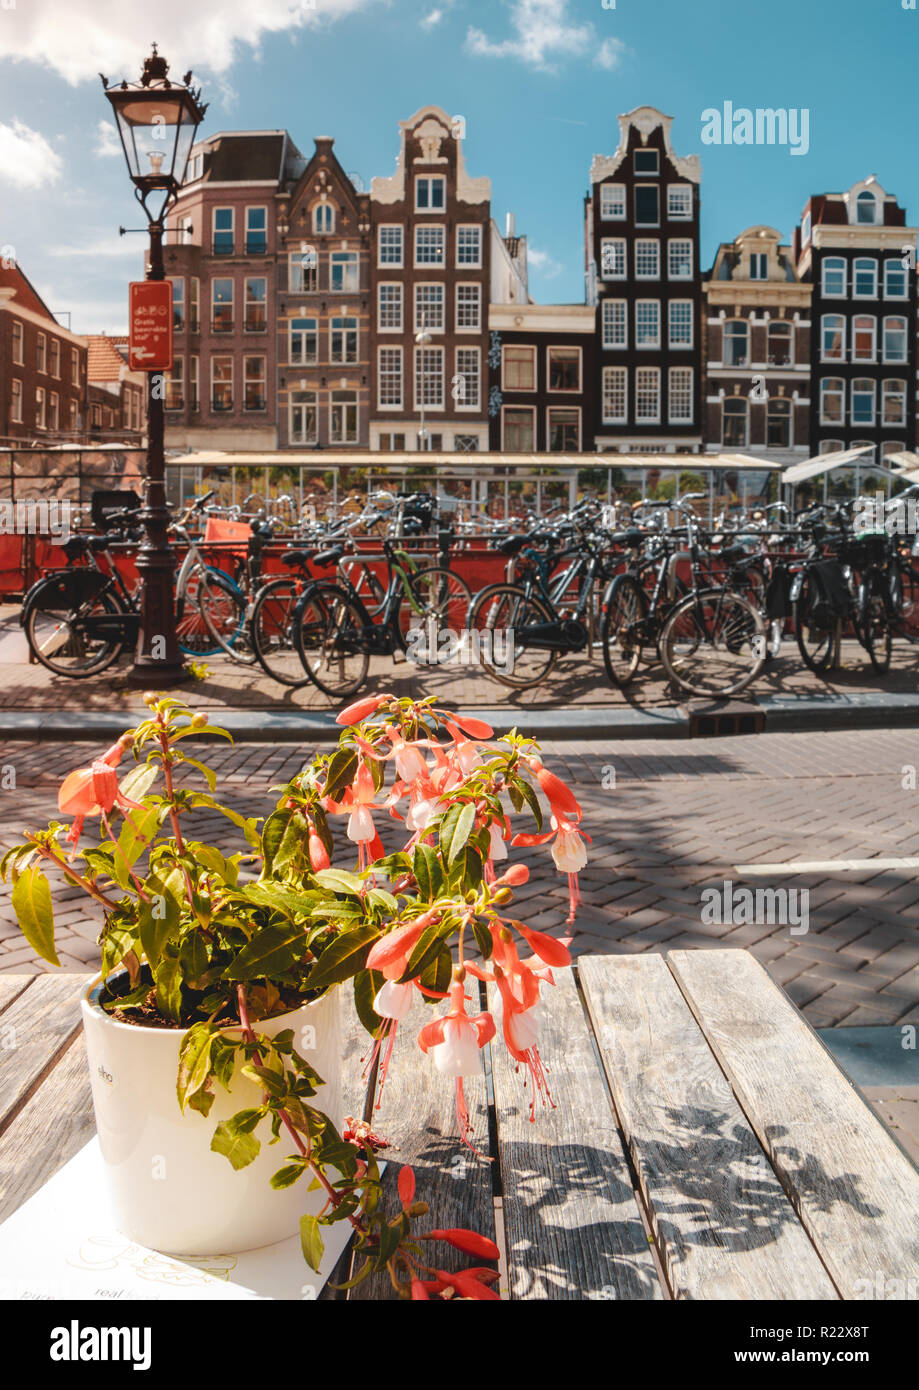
x=150, y=346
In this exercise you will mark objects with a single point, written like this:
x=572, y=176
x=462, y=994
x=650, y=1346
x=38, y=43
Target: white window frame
x=671, y=243
x=682, y=188
x=621, y=374
x=770, y=327
x=469, y=227
x=891, y=264
x=437, y=233
x=619, y=242
x=646, y=174
x=391, y=227
x=744, y=414
x=256, y=207
x=477, y=297
x=467, y=403
x=901, y=385
x=864, y=424
x=175, y=377
x=836, y=262
x=353, y=323
x=422, y=376
x=341, y=436
x=223, y=230
x=564, y=390
x=642, y=245
x=833, y=386
x=306, y=360
x=621, y=308
x=900, y=361
x=304, y=436
x=431, y=179
x=231, y=382
x=866, y=199
x=656, y=376
x=788, y=415
x=759, y=261
x=872, y=319
x=399, y=303
x=842, y=341
x=247, y=302
x=606, y=202
x=323, y=211
x=16, y=401
x=688, y=418
x=531, y=411
x=647, y=346
x=864, y=261
x=520, y=347
x=396, y=351
x=441, y=290
x=680, y=304
x=260, y=379
x=550, y=410
x=299, y=275
x=41, y=354
x=657, y=190
x=20, y=360
x=351, y=283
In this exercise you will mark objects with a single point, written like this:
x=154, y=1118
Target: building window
x=74, y=414
x=864, y=331
x=343, y=341
x=646, y=162
x=896, y=285
x=429, y=377
x=679, y=396
x=256, y=319
x=679, y=260
x=178, y=303
x=429, y=442
x=469, y=246
x=392, y=443
x=223, y=231
x=390, y=376
x=778, y=336
x=466, y=443
x=647, y=260
x=679, y=202
x=612, y=202
x=430, y=194
x=865, y=281
x=429, y=245
x=175, y=385
x=893, y=403
x=895, y=339
x=16, y=403
x=564, y=429
x=468, y=372
x=834, y=278
x=194, y=304
x=647, y=323
x=303, y=271
x=323, y=219
x=96, y=414
x=41, y=353
x=40, y=421
x=304, y=343
x=759, y=266
x=778, y=423
x=19, y=343
x=74, y=366
x=222, y=383
x=615, y=395
x=832, y=401
x=518, y=369
x=891, y=446
x=564, y=368
x=222, y=306
x=832, y=338
x=518, y=430
x=612, y=258
x=303, y=417
x=345, y=272
x=343, y=417
x=736, y=334
x=680, y=323
x=389, y=245
x=254, y=379
x=56, y=358
x=615, y=323
x=193, y=399
x=389, y=304
x=429, y=307
x=647, y=395
x=256, y=231
x=647, y=205
x=863, y=399
x=469, y=308
x=734, y=422
x=867, y=459
x=866, y=208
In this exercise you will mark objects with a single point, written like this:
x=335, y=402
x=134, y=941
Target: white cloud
x=544, y=33
x=431, y=20
x=546, y=266
x=103, y=248
x=84, y=37
x=107, y=142
x=26, y=158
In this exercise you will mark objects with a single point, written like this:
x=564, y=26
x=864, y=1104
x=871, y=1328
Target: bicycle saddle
x=731, y=553
x=631, y=537
x=511, y=545
x=74, y=547
x=99, y=543
x=296, y=557
x=324, y=558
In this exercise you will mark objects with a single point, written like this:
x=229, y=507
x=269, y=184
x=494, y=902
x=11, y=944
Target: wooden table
x=705, y=1145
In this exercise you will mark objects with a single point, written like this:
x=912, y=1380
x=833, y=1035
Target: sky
x=539, y=82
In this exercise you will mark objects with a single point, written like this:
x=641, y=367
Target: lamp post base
x=156, y=675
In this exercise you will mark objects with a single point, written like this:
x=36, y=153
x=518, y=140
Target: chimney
x=509, y=226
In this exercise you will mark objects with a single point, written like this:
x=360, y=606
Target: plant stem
x=167, y=778
x=74, y=877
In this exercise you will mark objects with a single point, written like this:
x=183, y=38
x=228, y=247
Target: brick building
x=116, y=396
x=42, y=368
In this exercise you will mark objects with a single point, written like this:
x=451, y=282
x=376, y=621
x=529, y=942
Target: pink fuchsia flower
x=319, y=855
x=392, y=1003
x=390, y=955
x=361, y=709
x=568, y=852
x=454, y=1041
x=470, y=1242
x=559, y=796
x=520, y=1029
x=93, y=791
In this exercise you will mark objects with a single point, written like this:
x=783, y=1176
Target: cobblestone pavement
x=669, y=820
x=575, y=680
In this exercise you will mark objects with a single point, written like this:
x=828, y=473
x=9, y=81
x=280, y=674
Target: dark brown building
x=541, y=374
x=42, y=368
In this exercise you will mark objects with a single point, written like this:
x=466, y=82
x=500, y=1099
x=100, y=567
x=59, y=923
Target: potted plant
x=216, y=1020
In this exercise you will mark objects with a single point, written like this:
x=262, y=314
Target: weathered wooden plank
x=418, y=1117
x=724, y=1227
x=572, y=1224
x=52, y=1126
x=353, y=1089
x=36, y=1027
x=856, y=1191
x=11, y=986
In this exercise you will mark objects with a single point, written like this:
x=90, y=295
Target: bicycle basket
x=832, y=598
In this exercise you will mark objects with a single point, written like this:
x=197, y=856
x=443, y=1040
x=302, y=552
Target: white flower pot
x=168, y=1189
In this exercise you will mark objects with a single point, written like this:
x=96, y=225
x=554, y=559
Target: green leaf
x=288, y=1175
x=194, y=1061
x=428, y=948
x=195, y=963
x=32, y=905
x=340, y=881
x=155, y=931
x=294, y=839
x=139, y=827
x=271, y=951
x=272, y=835
x=278, y=898
x=532, y=801
x=367, y=984
x=139, y=781
x=340, y=773
x=168, y=977
x=483, y=938
x=207, y=773
x=239, y=1148
x=454, y=830
x=438, y=974
x=116, y=943
x=427, y=869
x=343, y=957
x=390, y=1237
x=311, y=1242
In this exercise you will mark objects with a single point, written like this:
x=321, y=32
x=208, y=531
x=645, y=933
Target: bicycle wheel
x=498, y=622
x=329, y=633
x=713, y=643
x=437, y=602
x=60, y=633
x=271, y=631
x=815, y=629
x=223, y=608
x=195, y=637
x=626, y=607
x=874, y=623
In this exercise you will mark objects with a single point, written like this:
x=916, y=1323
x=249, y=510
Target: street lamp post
x=422, y=338
x=157, y=120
